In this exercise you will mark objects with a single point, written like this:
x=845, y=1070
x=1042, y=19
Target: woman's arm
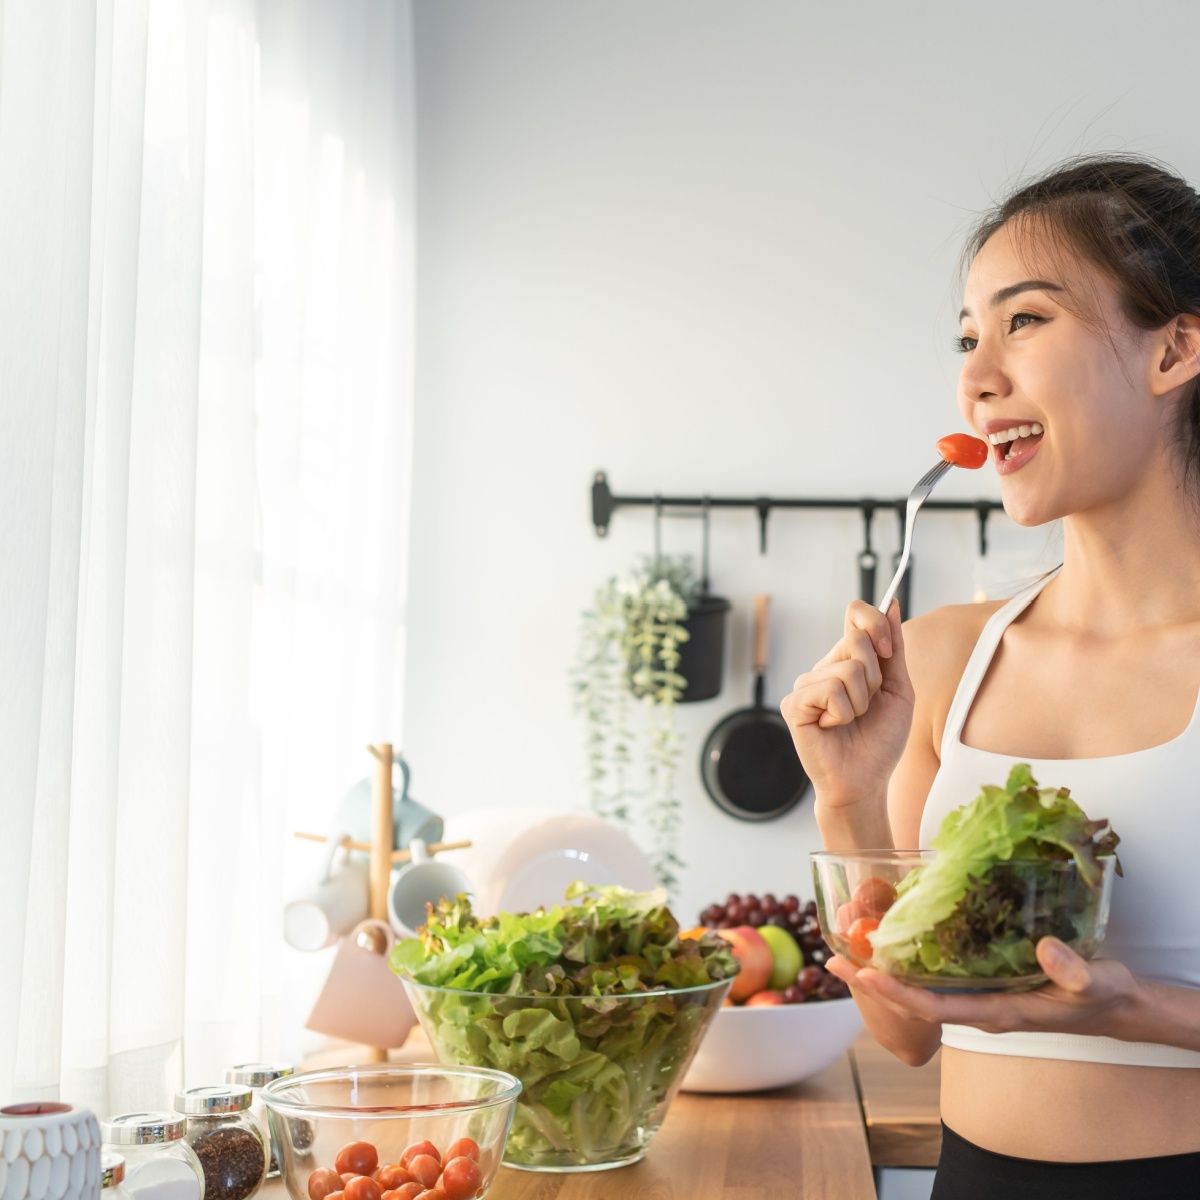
x=912, y=1039
x=864, y=728
x=1100, y=998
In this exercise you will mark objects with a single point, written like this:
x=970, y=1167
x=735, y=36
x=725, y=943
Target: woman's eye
x=962, y=342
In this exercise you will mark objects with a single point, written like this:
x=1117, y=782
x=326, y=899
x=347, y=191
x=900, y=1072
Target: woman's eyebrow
x=1015, y=289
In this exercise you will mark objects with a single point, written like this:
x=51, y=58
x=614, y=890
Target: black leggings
x=968, y=1172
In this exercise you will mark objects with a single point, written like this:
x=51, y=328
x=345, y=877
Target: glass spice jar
x=112, y=1175
x=228, y=1141
x=159, y=1164
x=256, y=1076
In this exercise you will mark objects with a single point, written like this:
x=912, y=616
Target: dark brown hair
x=1138, y=223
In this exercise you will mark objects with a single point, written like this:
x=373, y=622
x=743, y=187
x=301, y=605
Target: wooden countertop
x=900, y=1106
x=805, y=1142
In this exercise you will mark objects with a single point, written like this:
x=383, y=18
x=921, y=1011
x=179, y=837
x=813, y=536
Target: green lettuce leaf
x=545, y=996
x=964, y=913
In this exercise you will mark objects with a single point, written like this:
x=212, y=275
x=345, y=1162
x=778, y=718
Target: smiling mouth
x=1015, y=441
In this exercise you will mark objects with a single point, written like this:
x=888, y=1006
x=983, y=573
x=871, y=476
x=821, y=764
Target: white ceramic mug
x=422, y=881
x=332, y=908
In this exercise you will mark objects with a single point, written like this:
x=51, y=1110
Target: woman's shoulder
x=938, y=643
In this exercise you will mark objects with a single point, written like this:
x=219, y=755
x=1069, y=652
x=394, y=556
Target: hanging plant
x=627, y=684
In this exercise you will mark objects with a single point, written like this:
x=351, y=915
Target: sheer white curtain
x=205, y=360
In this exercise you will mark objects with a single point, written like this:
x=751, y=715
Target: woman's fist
x=850, y=715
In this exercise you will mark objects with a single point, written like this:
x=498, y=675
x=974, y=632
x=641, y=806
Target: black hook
x=764, y=511
x=984, y=510
x=707, y=508
x=658, y=516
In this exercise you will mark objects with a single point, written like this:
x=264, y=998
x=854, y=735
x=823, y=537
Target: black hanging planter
x=702, y=656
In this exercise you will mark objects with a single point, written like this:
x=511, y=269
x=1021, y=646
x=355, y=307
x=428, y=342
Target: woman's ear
x=1178, y=358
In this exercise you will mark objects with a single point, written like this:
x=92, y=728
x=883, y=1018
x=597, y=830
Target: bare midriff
x=1060, y=1110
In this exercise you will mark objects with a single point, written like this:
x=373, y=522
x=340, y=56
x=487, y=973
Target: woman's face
x=1076, y=387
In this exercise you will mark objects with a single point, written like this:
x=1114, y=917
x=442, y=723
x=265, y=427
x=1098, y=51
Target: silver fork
x=916, y=498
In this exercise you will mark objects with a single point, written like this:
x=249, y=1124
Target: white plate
x=523, y=860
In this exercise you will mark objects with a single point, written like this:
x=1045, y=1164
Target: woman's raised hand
x=850, y=715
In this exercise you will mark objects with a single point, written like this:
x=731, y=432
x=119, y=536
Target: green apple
x=785, y=956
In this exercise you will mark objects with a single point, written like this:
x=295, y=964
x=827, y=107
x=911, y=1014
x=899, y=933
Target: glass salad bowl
x=598, y=1072
x=959, y=926
x=360, y=1121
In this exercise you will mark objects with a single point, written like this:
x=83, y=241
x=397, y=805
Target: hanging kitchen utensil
x=749, y=764
x=904, y=587
x=867, y=558
x=983, y=511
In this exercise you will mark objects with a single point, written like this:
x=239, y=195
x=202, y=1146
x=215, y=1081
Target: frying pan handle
x=904, y=586
x=762, y=613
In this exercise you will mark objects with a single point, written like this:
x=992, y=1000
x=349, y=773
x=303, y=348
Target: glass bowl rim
x=273, y=1097
x=653, y=993
x=834, y=856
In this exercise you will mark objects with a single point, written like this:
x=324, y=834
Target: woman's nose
x=982, y=376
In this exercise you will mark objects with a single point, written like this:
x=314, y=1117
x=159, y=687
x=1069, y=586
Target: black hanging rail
x=605, y=503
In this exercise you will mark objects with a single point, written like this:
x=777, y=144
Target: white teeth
x=1017, y=431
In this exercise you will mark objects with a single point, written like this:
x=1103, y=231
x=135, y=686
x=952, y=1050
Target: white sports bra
x=1152, y=799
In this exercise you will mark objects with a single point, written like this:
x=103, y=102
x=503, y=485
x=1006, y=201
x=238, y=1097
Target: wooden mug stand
x=381, y=846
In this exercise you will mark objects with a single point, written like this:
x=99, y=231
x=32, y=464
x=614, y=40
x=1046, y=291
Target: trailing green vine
x=627, y=684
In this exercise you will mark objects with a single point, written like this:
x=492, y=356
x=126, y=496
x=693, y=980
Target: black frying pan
x=749, y=764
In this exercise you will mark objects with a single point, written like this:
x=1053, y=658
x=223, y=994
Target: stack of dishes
x=523, y=858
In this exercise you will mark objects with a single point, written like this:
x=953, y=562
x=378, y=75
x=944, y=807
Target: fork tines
x=934, y=473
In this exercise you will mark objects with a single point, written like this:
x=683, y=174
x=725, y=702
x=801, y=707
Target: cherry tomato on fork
x=963, y=450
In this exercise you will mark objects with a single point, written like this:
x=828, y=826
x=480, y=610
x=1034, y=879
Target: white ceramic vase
x=49, y=1152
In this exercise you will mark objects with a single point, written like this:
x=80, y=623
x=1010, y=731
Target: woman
x=1081, y=365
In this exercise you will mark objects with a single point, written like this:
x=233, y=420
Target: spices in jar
x=228, y=1141
x=256, y=1076
x=159, y=1164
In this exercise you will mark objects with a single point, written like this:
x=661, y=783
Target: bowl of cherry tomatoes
x=391, y=1132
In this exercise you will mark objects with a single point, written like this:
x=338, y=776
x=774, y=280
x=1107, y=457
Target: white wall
x=709, y=246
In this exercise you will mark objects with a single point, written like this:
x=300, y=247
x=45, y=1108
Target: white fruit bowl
x=771, y=1046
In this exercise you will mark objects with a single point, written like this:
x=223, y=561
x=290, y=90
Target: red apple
x=754, y=955
x=762, y=999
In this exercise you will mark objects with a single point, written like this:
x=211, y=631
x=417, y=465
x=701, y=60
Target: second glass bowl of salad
x=598, y=1072
x=972, y=929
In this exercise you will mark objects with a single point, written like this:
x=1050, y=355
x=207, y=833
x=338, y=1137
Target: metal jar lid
x=257, y=1075
x=112, y=1169
x=204, y=1101
x=142, y=1129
